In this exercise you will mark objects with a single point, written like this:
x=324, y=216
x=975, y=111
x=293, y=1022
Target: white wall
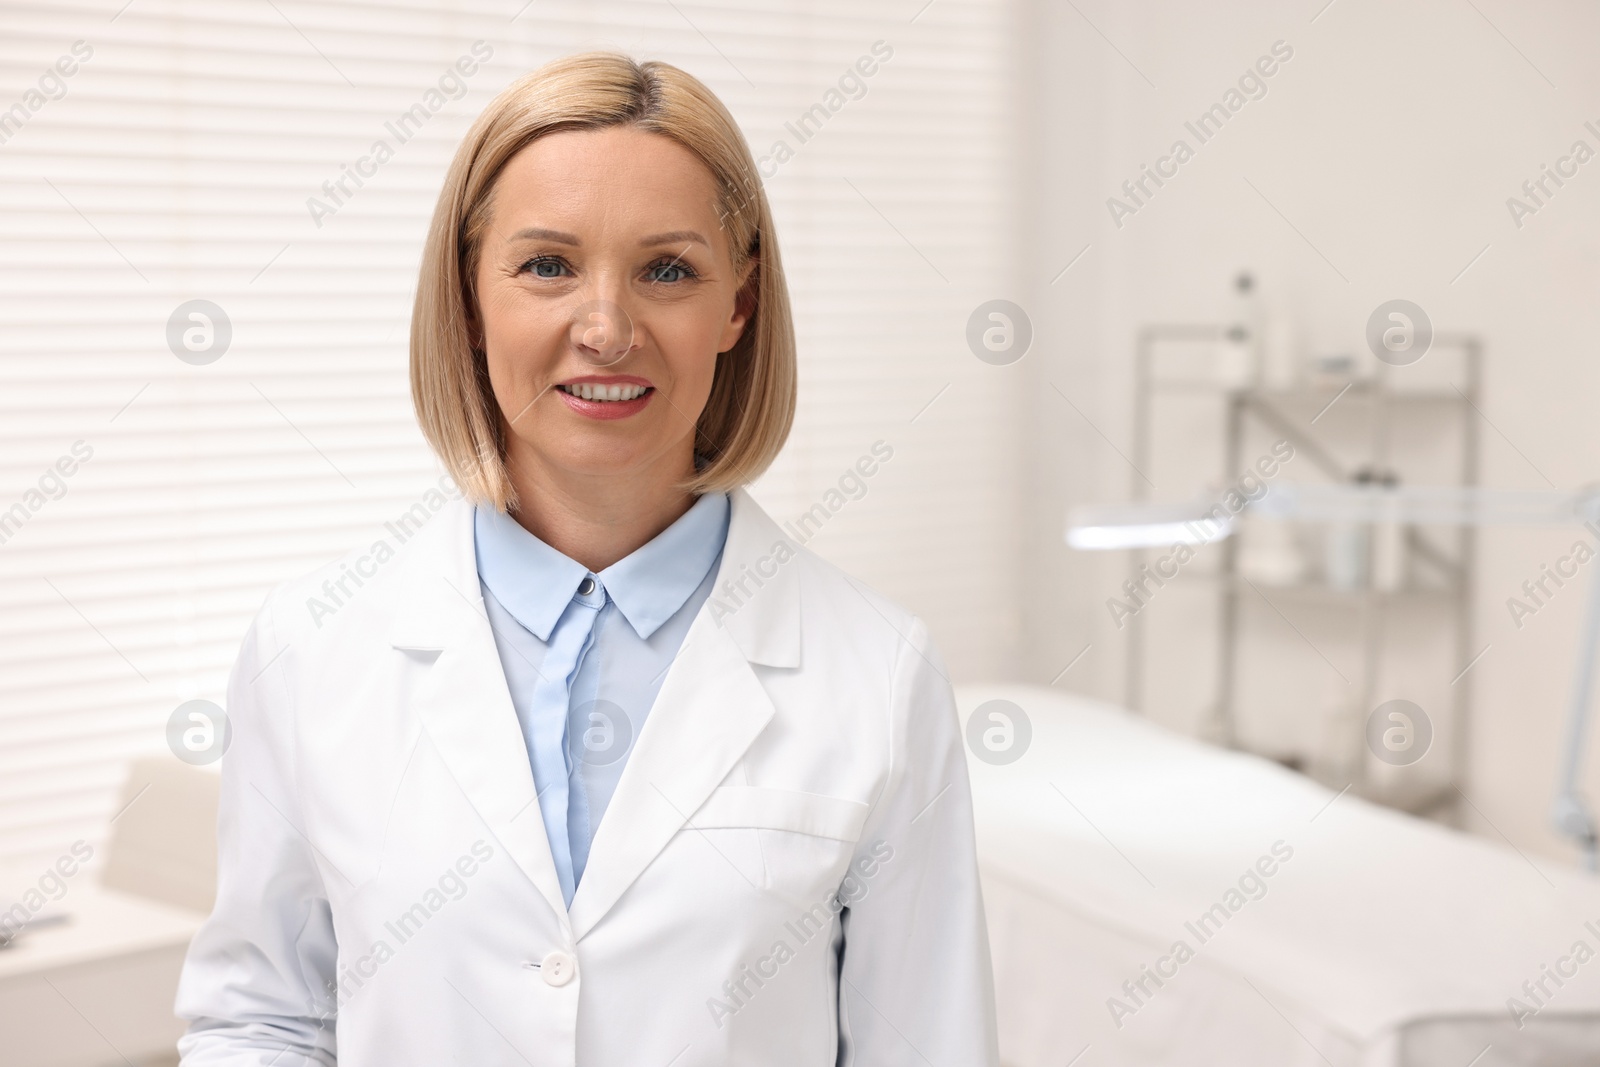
x=1390, y=141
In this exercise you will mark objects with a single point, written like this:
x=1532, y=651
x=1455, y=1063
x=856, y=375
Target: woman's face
x=605, y=293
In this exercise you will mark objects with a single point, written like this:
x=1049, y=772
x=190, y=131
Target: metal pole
x=1466, y=584
x=1134, y=668
x=1224, y=720
x=1571, y=812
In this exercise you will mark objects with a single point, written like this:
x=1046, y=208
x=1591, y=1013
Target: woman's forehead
x=618, y=182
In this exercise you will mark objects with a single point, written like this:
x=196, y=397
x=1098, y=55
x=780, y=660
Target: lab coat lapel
x=709, y=711
x=462, y=697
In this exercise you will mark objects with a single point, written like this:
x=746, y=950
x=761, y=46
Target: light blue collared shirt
x=585, y=654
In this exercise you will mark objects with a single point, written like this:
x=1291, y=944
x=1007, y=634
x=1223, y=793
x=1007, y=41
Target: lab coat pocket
x=802, y=841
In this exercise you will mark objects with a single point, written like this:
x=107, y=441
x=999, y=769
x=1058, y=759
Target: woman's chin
x=606, y=460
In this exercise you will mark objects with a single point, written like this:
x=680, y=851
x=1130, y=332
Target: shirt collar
x=535, y=582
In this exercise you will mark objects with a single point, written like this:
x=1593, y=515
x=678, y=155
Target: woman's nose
x=601, y=331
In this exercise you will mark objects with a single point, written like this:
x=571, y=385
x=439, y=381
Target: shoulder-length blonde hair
x=751, y=406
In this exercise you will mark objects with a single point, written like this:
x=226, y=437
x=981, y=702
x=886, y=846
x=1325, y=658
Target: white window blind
x=147, y=503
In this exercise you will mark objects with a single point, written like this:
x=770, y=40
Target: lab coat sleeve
x=915, y=980
x=255, y=987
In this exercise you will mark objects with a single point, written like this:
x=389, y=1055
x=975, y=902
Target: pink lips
x=606, y=410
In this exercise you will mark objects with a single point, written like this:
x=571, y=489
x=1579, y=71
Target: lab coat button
x=558, y=968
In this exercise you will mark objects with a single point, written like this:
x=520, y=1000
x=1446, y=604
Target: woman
x=596, y=767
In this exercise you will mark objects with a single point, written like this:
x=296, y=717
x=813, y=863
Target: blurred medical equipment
x=1346, y=427
x=1242, y=406
x=1406, y=507
x=1378, y=548
x=98, y=988
x=1315, y=927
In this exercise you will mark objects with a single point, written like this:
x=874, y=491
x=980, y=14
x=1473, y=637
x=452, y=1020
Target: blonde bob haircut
x=751, y=405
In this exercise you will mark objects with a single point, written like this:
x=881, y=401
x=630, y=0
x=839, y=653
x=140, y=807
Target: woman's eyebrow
x=674, y=237
x=539, y=233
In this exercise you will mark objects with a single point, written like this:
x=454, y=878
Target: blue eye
x=545, y=267
x=655, y=271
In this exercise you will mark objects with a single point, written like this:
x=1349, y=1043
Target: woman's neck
x=598, y=520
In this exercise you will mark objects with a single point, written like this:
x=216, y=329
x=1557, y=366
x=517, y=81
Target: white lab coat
x=785, y=875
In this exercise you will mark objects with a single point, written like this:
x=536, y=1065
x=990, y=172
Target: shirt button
x=558, y=968
x=586, y=587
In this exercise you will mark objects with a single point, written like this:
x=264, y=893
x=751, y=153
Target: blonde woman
x=596, y=767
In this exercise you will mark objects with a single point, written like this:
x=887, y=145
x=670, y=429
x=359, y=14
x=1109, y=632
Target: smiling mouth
x=605, y=393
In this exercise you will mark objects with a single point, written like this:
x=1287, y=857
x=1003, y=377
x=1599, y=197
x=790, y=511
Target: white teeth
x=594, y=391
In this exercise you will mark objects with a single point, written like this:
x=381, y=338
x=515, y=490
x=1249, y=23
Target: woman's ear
x=744, y=306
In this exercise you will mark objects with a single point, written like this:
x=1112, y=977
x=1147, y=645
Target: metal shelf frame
x=1253, y=404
